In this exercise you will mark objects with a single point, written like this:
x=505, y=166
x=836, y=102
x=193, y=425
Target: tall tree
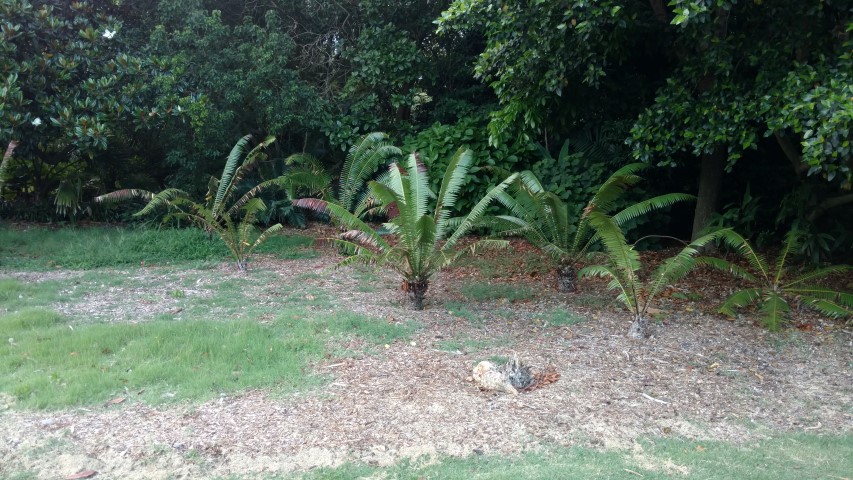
x=67, y=83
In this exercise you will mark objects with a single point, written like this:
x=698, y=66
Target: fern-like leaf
x=124, y=195
x=740, y=299
x=773, y=309
x=649, y=205
x=726, y=266
x=165, y=198
x=228, y=171
x=817, y=274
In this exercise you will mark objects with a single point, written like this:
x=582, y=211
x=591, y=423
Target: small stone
x=469, y=379
x=413, y=344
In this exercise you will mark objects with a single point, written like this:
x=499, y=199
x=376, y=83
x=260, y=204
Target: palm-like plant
x=558, y=230
x=232, y=220
x=624, y=265
x=425, y=241
x=772, y=286
x=364, y=159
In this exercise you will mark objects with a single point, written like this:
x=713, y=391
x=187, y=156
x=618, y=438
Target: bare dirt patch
x=700, y=377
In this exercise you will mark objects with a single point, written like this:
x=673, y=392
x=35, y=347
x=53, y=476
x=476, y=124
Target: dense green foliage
x=712, y=79
x=67, y=82
x=108, y=95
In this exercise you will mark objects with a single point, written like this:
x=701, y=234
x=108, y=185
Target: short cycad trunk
x=639, y=328
x=566, y=277
x=417, y=292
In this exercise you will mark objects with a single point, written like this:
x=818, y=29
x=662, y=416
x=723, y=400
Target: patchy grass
x=462, y=310
x=462, y=345
x=82, y=248
x=593, y=301
x=15, y=295
x=49, y=361
x=559, y=317
x=481, y=291
x=791, y=457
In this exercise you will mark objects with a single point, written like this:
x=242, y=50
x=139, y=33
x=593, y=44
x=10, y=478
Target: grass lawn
x=787, y=457
x=49, y=360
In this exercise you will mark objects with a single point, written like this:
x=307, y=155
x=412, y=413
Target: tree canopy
x=106, y=94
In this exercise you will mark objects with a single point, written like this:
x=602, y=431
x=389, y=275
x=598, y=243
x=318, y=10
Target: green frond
x=602, y=271
x=529, y=182
x=355, y=253
x=649, y=205
x=817, y=274
x=363, y=160
x=164, y=198
x=773, y=309
x=670, y=271
x=830, y=308
x=623, y=256
x=272, y=230
x=253, y=206
x=627, y=294
x=792, y=243
x=741, y=245
x=726, y=266
x=454, y=177
x=304, y=160
x=615, y=186
x=124, y=195
x=228, y=171
x=842, y=298
x=740, y=299
x=419, y=191
x=342, y=215
x=478, y=210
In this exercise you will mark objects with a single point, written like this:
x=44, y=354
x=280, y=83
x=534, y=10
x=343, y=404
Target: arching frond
x=740, y=299
x=644, y=207
x=773, y=309
x=457, y=171
x=231, y=165
x=164, y=198
x=346, y=218
x=817, y=274
x=124, y=195
x=477, y=212
x=756, y=261
x=726, y=266
x=363, y=160
x=266, y=234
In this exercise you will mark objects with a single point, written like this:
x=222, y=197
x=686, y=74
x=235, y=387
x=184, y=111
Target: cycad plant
x=561, y=231
x=425, y=238
x=624, y=266
x=231, y=220
x=772, y=286
x=365, y=158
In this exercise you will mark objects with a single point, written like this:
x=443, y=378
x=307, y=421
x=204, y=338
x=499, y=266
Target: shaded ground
x=700, y=377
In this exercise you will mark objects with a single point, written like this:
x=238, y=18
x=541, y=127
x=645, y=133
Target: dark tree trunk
x=710, y=179
x=639, y=328
x=566, y=278
x=417, y=292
